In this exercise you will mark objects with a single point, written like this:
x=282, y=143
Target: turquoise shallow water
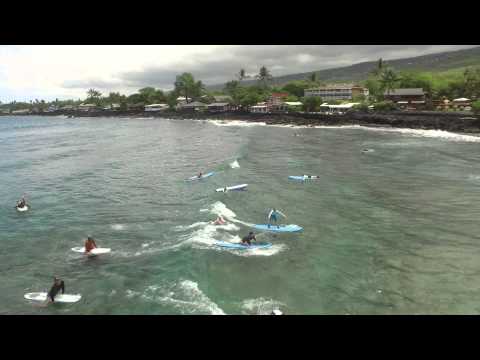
x=391, y=231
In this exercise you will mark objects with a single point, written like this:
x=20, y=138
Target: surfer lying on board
x=248, y=239
x=90, y=244
x=58, y=285
x=273, y=216
x=220, y=220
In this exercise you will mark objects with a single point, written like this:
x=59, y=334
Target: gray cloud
x=222, y=65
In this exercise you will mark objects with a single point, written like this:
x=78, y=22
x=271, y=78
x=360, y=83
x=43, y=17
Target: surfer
x=90, y=244
x=220, y=220
x=200, y=175
x=21, y=203
x=58, y=284
x=272, y=216
x=248, y=239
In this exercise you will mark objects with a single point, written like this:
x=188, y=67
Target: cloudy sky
x=49, y=72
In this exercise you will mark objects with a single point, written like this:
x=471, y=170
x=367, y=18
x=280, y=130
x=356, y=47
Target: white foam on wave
x=184, y=295
x=260, y=306
x=118, y=227
x=238, y=123
x=440, y=134
x=235, y=165
x=474, y=177
x=219, y=208
x=192, y=226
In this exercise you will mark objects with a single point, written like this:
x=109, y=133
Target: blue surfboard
x=239, y=246
x=193, y=178
x=278, y=228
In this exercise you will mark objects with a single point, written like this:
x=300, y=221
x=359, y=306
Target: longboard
x=239, y=246
x=278, y=228
x=25, y=208
x=61, y=298
x=193, y=178
x=231, y=188
x=96, y=251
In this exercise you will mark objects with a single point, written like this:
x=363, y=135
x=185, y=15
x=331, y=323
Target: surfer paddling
x=90, y=244
x=248, y=239
x=273, y=216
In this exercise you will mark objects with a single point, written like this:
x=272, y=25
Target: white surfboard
x=232, y=188
x=96, y=251
x=61, y=298
x=25, y=208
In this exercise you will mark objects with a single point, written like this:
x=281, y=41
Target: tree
x=296, y=88
x=388, y=80
x=415, y=80
x=472, y=82
x=242, y=75
x=231, y=87
x=313, y=78
x=185, y=85
x=476, y=107
x=312, y=103
x=381, y=67
x=264, y=76
x=94, y=96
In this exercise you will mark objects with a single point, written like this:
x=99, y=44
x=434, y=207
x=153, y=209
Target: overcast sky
x=49, y=72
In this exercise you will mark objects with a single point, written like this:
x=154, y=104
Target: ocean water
x=394, y=230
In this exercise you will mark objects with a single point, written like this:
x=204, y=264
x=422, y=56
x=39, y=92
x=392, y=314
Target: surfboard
x=61, y=298
x=193, y=178
x=96, y=251
x=278, y=228
x=239, y=246
x=232, y=188
x=304, y=177
x=25, y=208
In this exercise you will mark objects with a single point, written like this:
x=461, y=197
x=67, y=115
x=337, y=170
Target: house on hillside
x=293, y=105
x=337, y=92
x=112, y=107
x=407, y=99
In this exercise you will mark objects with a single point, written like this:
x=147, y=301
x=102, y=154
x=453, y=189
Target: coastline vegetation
x=450, y=84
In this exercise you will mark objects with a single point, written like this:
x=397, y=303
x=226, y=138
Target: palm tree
x=93, y=95
x=381, y=67
x=264, y=75
x=185, y=84
x=313, y=77
x=242, y=75
x=388, y=79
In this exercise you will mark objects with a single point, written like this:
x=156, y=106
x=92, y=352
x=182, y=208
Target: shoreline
x=447, y=121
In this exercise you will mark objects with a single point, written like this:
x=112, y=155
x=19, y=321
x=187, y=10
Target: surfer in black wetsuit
x=58, y=285
x=21, y=203
x=248, y=239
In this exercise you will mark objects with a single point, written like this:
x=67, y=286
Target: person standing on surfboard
x=200, y=175
x=90, y=244
x=273, y=216
x=58, y=285
x=248, y=239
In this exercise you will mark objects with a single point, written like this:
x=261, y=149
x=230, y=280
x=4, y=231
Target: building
x=219, y=107
x=156, y=107
x=462, y=104
x=293, y=105
x=182, y=100
x=193, y=106
x=87, y=107
x=260, y=108
x=276, y=99
x=67, y=107
x=337, y=92
x=408, y=99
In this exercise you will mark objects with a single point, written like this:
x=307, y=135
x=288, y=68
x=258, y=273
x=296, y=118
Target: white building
x=337, y=92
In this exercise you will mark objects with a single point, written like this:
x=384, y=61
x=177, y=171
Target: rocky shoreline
x=448, y=121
